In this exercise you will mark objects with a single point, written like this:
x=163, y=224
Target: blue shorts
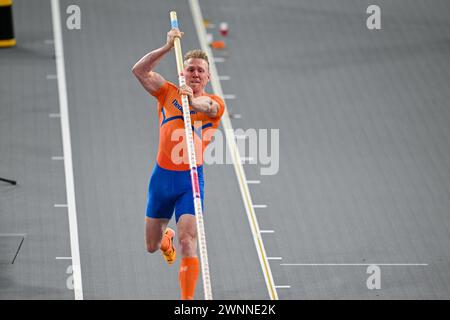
x=172, y=190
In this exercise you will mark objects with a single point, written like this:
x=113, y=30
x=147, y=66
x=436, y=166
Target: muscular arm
x=203, y=104
x=206, y=105
x=149, y=79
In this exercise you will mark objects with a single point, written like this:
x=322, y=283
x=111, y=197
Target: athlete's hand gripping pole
x=193, y=166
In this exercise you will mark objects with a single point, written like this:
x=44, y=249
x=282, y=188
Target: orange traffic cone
x=217, y=44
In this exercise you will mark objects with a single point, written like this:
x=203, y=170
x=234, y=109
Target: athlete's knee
x=153, y=246
x=188, y=244
x=187, y=235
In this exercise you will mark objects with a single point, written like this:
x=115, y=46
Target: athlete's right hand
x=172, y=34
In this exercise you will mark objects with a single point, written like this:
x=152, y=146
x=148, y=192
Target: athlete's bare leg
x=154, y=230
x=187, y=235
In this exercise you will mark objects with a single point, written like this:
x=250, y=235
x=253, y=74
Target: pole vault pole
x=193, y=166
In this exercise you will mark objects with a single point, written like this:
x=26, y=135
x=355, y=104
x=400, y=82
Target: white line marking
x=229, y=96
x=63, y=258
x=54, y=115
x=13, y=235
x=235, y=116
x=353, y=264
x=267, y=231
x=51, y=77
x=274, y=258
x=67, y=150
x=216, y=59
x=241, y=136
x=238, y=168
x=283, y=287
x=253, y=182
x=259, y=206
x=247, y=159
x=57, y=158
x=61, y=206
x=224, y=78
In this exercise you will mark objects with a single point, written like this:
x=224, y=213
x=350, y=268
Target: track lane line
x=67, y=149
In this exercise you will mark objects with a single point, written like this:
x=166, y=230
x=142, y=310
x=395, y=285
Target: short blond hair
x=196, y=54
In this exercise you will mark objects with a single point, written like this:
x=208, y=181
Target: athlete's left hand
x=185, y=89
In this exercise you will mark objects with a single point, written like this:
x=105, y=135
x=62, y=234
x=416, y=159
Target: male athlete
x=170, y=183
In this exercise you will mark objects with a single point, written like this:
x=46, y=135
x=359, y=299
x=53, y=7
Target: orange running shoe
x=169, y=254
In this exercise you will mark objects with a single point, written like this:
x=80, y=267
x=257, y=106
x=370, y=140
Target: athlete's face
x=196, y=72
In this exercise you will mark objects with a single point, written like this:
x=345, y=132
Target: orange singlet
x=172, y=152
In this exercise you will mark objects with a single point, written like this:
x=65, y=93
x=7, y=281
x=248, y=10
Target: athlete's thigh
x=161, y=196
x=154, y=229
x=184, y=205
x=160, y=205
x=187, y=226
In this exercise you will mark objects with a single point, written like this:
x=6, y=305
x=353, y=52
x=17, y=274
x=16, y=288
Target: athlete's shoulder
x=172, y=85
x=163, y=92
x=169, y=86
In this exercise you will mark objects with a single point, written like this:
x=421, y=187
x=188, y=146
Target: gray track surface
x=364, y=146
x=29, y=139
